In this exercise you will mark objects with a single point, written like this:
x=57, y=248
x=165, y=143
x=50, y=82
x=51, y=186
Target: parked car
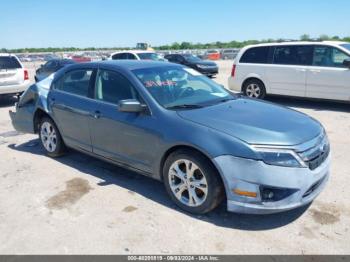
x=136, y=55
x=80, y=59
x=50, y=67
x=301, y=69
x=14, y=78
x=228, y=54
x=173, y=124
x=212, y=55
x=208, y=68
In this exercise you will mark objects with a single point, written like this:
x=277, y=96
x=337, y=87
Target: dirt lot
x=76, y=204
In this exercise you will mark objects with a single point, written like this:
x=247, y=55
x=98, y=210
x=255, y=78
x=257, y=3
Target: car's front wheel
x=192, y=182
x=50, y=138
x=254, y=88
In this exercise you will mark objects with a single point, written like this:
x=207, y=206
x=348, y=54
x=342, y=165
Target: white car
x=301, y=69
x=137, y=55
x=14, y=79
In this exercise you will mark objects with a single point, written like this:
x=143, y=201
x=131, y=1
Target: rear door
x=11, y=71
x=287, y=73
x=70, y=102
x=328, y=78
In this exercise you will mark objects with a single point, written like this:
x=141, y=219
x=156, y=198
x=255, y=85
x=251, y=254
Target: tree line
x=178, y=46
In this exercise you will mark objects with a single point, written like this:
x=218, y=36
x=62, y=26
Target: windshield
x=150, y=56
x=192, y=58
x=347, y=46
x=175, y=87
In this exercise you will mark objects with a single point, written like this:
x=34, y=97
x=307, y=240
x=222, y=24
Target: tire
x=54, y=145
x=206, y=193
x=254, y=88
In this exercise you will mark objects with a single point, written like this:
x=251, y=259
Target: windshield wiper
x=185, y=106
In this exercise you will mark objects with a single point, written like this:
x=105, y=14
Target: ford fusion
x=173, y=124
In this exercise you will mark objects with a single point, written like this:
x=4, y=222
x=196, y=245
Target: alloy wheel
x=48, y=136
x=253, y=90
x=188, y=183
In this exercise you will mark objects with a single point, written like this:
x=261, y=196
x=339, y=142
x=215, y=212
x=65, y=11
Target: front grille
x=315, y=156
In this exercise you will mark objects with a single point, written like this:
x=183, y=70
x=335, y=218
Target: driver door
x=127, y=138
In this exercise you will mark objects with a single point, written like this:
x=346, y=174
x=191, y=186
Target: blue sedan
x=171, y=123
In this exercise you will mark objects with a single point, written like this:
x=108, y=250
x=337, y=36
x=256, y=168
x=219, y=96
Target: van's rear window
x=9, y=62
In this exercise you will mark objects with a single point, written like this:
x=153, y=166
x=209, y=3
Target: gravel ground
x=78, y=205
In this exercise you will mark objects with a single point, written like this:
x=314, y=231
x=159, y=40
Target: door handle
x=97, y=114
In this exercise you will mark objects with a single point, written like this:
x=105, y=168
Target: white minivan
x=14, y=78
x=302, y=69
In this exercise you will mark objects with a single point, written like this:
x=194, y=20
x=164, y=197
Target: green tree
x=305, y=37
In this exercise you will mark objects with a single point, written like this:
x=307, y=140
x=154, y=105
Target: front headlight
x=280, y=157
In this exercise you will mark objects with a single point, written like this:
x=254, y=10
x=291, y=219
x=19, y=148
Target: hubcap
x=188, y=183
x=253, y=90
x=48, y=137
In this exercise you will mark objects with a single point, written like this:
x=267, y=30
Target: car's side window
x=257, y=55
x=329, y=56
x=131, y=56
x=75, y=82
x=119, y=56
x=293, y=55
x=112, y=87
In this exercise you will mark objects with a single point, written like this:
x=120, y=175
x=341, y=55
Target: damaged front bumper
x=272, y=188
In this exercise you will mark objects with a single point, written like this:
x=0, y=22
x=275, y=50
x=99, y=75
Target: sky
x=123, y=23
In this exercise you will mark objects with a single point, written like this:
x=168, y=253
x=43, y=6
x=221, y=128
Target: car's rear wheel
x=192, y=182
x=254, y=88
x=50, y=138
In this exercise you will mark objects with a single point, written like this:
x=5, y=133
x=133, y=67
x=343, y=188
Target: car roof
x=133, y=52
x=334, y=43
x=127, y=64
x=6, y=54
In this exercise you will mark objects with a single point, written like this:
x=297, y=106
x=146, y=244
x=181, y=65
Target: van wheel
x=51, y=138
x=192, y=183
x=254, y=88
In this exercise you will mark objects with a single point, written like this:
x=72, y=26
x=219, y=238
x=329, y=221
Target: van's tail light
x=26, y=75
x=233, y=72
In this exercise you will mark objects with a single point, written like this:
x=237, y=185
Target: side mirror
x=131, y=106
x=346, y=63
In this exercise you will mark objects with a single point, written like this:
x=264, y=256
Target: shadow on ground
x=155, y=191
x=313, y=104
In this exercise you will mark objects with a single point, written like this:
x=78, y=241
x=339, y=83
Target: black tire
x=60, y=148
x=215, y=188
x=249, y=84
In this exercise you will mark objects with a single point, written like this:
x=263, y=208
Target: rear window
x=256, y=55
x=9, y=62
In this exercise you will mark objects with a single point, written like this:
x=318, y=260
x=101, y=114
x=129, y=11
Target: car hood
x=256, y=122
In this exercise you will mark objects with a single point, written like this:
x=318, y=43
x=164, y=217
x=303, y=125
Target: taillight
x=233, y=70
x=26, y=75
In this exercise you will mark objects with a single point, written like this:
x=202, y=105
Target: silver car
x=14, y=79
